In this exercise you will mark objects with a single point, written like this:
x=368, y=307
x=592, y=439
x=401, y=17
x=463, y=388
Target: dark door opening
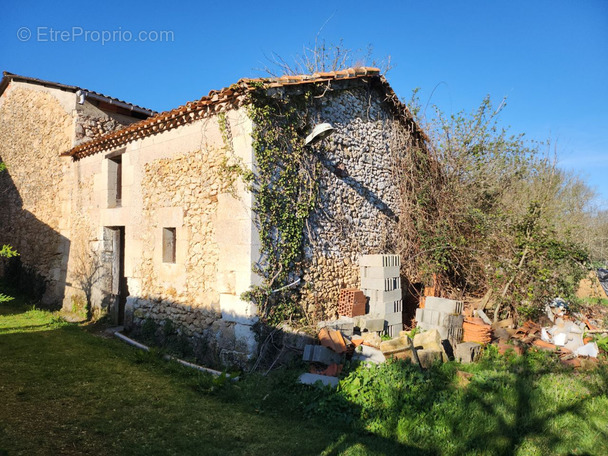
x=411, y=301
x=120, y=289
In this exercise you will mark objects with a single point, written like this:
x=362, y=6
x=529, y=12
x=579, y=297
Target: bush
x=489, y=211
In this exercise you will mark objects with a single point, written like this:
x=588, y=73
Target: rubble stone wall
x=36, y=124
x=359, y=198
x=92, y=122
x=178, y=179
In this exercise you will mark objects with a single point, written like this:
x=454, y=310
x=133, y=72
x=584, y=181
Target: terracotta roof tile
x=217, y=100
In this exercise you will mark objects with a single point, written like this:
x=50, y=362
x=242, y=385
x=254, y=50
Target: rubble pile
x=445, y=330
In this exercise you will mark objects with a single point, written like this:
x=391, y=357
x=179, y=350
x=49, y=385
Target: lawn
x=65, y=389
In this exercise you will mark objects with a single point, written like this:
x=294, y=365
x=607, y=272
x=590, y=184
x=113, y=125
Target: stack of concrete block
x=381, y=283
x=443, y=315
x=455, y=329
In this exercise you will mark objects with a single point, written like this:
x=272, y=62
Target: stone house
x=160, y=217
x=38, y=120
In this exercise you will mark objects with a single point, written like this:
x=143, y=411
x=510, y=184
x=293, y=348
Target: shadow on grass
x=28, y=328
x=358, y=444
x=75, y=392
x=520, y=407
x=78, y=384
x=6, y=310
x=20, y=303
x=510, y=404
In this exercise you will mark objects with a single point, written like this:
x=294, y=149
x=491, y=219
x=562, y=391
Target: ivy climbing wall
x=320, y=206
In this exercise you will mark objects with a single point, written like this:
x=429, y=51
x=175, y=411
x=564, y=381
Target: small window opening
x=115, y=181
x=168, y=245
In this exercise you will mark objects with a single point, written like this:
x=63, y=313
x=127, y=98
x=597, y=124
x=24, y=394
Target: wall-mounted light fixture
x=318, y=133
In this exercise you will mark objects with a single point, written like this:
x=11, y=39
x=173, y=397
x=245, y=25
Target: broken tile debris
x=333, y=370
x=475, y=330
x=332, y=339
x=449, y=330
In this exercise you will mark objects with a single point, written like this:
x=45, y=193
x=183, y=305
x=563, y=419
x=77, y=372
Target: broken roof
x=234, y=96
x=8, y=77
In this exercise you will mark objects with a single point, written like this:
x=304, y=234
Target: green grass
x=594, y=301
x=526, y=405
x=66, y=390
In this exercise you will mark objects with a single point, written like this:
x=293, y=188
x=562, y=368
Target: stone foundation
x=213, y=341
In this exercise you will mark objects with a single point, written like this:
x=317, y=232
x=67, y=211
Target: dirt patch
x=590, y=287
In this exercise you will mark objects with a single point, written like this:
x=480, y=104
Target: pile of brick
x=327, y=358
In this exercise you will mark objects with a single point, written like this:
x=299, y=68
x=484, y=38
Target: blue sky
x=550, y=58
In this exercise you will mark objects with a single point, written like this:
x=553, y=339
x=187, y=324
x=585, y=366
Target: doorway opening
x=119, y=289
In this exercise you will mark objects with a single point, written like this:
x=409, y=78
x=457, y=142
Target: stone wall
x=90, y=127
x=92, y=122
x=358, y=203
x=180, y=179
x=196, y=183
x=35, y=126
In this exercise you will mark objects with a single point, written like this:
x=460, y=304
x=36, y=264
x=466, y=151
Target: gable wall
x=92, y=122
x=358, y=195
x=36, y=125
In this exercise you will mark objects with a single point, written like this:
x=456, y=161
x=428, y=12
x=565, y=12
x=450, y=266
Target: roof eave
x=217, y=99
x=8, y=77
